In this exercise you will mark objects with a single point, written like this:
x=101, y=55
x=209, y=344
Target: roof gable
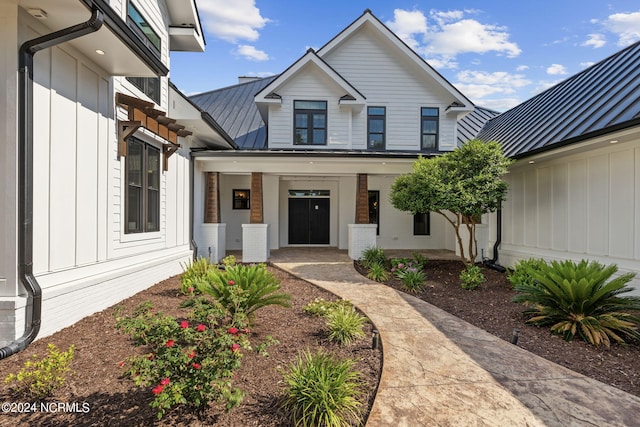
x=598, y=100
x=370, y=21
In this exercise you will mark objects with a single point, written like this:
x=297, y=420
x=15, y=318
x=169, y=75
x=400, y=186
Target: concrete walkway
x=441, y=371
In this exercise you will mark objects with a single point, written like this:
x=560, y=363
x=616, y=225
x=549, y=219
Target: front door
x=309, y=221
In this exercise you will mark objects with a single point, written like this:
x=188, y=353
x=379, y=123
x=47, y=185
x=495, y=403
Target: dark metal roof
x=603, y=98
x=472, y=123
x=235, y=111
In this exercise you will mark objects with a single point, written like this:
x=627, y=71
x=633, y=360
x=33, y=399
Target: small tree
x=460, y=185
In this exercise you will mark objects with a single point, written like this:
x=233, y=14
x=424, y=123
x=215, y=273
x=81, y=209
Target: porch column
x=362, y=235
x=213, y=231
x=255, y=235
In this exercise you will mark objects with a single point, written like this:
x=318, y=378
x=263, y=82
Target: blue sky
x=497, y=52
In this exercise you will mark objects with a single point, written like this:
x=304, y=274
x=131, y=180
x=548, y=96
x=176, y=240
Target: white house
x=86, y=106
x=319, y=146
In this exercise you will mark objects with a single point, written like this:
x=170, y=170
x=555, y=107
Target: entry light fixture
x=37, y=13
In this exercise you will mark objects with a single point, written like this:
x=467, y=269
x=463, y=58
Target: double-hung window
x=142, y=199
x=310, y=122
x=376, y=128
x=429, y=128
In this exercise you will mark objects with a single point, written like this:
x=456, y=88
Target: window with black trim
x=310, y=122
x=142, y=198
x=421, y=224
x=150, y=86
x=376, y=118
x=429, y=128
x=143, y=29
x=241, y=199
x=374, y=209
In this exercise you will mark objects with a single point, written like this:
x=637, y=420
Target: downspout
x=25, y=166
x=493, y=262
x=194, y=245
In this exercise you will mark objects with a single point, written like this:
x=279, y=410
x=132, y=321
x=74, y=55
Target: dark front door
x=308, y=221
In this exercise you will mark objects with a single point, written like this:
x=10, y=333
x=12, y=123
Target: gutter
x=25, y=166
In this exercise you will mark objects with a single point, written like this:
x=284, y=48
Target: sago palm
x=577, y=299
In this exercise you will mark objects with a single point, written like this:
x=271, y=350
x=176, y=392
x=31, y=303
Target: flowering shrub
x=39, y=378
x=322, y=307
x=187, y=362
x=195, y=272
x=410, y=272
x=472, y=277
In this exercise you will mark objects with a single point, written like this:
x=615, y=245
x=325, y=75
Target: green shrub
x=40, y=378
x=378, y=273
x=186, y=363
x=229, y=261
x=521, y=274
x=373, y=255
x=420, y=259
x=577, y=299
x=345, y=325
x=322, y=391
x=321, y=307
x=243, y=289
x=194, y=272
x=471, y=277
x=413, y=280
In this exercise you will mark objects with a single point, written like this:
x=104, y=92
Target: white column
x=255, y=243
x=361, y=237
x=213, y=241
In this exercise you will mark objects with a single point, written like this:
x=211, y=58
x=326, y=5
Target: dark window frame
x=374, y=211
x=370, y=117
x=241, y=203
x=422, y=228
x=310, y=128
x=429, y=118
x=148, y=35
x=150, y=86
x=147, y=206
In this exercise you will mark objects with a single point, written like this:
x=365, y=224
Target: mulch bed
x=103, y=397
x=489, y=307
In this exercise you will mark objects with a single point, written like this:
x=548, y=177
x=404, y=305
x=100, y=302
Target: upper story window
x=150, y=86
x=429, y=128
x=310, y=122
x=141, y=27
x=142, y=198
x=376, y=128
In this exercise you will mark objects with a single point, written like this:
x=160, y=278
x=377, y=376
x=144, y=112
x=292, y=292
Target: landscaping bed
x=99, y=394
x=489, y=307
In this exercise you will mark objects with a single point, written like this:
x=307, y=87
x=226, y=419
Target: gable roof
x=235, y=111
x=369, y=19
x=601, y=99
x=268, y=94
x=472, y=123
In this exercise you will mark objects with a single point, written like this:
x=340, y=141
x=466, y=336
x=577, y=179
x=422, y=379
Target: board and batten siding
x=578, y=206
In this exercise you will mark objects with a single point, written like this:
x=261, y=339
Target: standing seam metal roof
x=600, y=97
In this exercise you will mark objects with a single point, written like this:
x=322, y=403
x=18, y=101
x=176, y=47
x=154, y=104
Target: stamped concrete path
x=441, y=371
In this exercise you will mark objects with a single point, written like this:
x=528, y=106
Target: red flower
x=246, y=331
x=191, y=289
x=170, y=343
x=231, y=282
x=184, y=324
x=200, y=328
x=157, y=389
x=165, y=381
x=192, y=354
x=235, y=347
x=196, y=365
x=121, y=363
x=233, y=331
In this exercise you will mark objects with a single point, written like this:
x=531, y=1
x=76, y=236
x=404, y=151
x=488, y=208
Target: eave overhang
x=185, y=28
x=123, y=53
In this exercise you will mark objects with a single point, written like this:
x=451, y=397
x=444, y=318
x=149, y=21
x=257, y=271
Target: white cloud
x=544, y=85
x=595, y=40
x=478, y=85
x=586, y=64
x=251, y=53
x=625, y=25
x=522, y=67
x=406, y=24
x=232, y=21
x=556, y=70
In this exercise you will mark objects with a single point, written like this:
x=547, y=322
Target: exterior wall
x=577, y=206
x=83, y=260
x=385, y=77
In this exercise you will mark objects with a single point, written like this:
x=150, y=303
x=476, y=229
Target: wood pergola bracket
x=125, y=130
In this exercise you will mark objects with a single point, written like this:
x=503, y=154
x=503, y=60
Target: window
x=241, y=199
x=310, y=122
x=150, y=86
x=376, y=128
x=421, y=224
x=142, y=174
x=374, y=209
x=429, y=128
x=143, y=30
